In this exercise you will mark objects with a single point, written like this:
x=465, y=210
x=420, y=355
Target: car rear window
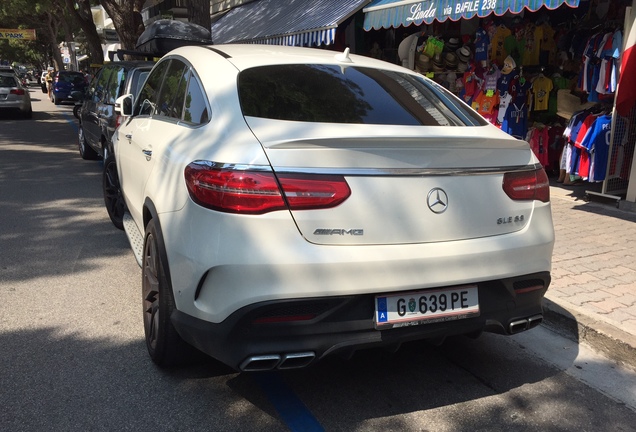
x=71, y=77
x=349, y=94
x=7, y=81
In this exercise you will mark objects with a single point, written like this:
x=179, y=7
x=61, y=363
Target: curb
x=570, y=322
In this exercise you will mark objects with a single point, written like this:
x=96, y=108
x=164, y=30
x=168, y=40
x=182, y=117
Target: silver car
x=14, y=96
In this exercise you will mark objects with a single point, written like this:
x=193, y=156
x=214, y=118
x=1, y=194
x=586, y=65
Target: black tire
x=56, y=100
x=165, y=346
x=113, y=198
x=85, y=151
x=76, y=109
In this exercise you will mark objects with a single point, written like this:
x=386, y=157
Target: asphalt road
x=73, y=358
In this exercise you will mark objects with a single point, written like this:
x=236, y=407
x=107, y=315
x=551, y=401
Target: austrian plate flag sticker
x=382, y=312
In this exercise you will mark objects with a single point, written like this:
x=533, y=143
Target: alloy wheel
x=150, y=291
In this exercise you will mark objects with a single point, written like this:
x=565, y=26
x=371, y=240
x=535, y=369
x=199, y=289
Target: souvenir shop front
x=546, y=71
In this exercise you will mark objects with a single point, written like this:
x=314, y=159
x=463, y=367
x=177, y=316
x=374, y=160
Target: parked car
x=8, y=69
x=285, y=204
x=97, y=116
x=14, y=96
x=65, y=82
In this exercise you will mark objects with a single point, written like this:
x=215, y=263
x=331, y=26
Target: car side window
x=93, y=85
x=138, y=80
x=147, y=100
x=101, y=85
x=116, y=85
x=170, y=90
x=196, y=111
x=181, y=95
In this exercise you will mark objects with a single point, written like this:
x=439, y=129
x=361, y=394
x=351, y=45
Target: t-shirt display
x=510, y=69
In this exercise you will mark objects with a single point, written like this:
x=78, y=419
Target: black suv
x=97, y=116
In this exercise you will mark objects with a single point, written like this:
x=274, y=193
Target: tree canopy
x=57, y=21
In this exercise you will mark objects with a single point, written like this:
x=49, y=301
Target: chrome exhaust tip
x=518, y=326
x=296, y=360
x=534, y=321
x=260, y=363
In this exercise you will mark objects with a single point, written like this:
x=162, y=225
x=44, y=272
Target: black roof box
x=164, y=35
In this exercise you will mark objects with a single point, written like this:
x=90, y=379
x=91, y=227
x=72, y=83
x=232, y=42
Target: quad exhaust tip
x=277, y=361
x=525, y=324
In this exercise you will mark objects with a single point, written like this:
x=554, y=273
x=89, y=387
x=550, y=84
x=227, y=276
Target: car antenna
x=344, y=56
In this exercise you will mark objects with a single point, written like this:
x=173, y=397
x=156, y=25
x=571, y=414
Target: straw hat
x=452, y=44
x=438, y=63
x=423, y=62
x=451, y=61
x=464, y=54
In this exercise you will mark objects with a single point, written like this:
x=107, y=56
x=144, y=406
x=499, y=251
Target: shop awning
x=285, y=22
x=395, y=13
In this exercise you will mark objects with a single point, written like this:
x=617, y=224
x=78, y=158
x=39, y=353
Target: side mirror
x=124, y=104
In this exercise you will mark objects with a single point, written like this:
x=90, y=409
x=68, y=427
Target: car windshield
x=349, y=94
x=7, y=81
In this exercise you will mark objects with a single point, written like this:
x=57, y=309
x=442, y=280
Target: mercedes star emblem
x=437, y=200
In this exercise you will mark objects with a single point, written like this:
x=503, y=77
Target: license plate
x=425, y=307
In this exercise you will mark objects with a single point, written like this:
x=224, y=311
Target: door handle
x=147, y=153
x=128, y=136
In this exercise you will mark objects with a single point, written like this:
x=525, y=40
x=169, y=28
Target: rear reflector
x=527, y=185
x=257, y=192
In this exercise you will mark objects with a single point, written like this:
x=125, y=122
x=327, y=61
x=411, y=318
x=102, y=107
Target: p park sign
x=15, y=34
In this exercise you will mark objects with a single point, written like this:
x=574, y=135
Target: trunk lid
x=408, y=184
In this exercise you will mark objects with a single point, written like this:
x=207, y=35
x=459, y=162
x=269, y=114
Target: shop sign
x=396, y=13
x=17, y=34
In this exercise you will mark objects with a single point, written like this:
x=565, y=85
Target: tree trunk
x=199, y=13
x=84, y=18
x=52, y=28
x=126, y=16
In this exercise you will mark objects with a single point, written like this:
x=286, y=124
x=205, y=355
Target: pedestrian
x=49, y=82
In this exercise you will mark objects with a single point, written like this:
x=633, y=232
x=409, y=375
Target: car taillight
x=256, y=192
x=19, y=92
x=527, y=185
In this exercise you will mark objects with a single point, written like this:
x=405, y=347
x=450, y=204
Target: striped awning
x=395, y=13
x=285, y=22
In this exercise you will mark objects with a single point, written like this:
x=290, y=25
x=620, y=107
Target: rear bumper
x=246, y=340
x=14, y=105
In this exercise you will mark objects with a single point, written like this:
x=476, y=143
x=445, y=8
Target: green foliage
x=49, y=19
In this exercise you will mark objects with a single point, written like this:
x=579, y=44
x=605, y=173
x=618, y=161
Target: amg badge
x=353, y=231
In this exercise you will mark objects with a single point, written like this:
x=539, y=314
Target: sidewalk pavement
x=592, y=296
